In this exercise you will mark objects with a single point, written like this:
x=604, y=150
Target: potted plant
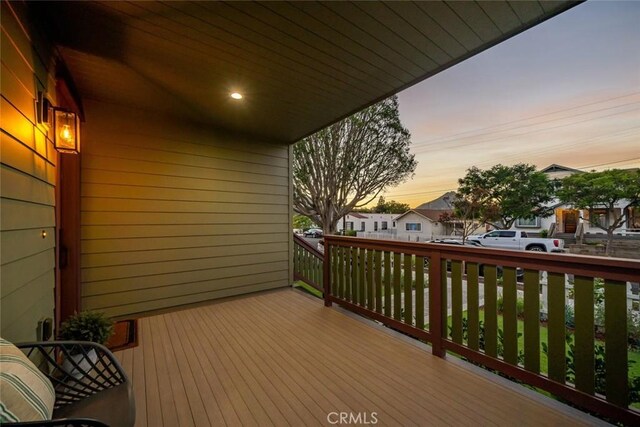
x=85, y=326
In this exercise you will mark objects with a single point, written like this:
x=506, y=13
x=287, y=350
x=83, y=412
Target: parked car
x=518, y=240
x=475, y=243
x=457, y=242
x=313, y=232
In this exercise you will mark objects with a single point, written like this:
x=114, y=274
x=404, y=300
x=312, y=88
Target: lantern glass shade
x=66, y=132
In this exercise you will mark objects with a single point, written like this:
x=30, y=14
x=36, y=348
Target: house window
x=375, y=226
x=413, y=226
x=634, y=219
x=384, y=225
x=361, y=225
x=394, y=224
x=349, y=225
x=528, y=223
x=599, y=217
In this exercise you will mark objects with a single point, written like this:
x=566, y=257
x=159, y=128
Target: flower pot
x=81, y=364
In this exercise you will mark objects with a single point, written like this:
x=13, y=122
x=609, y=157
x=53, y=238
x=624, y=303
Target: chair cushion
x=114, y=406
x=26, y=394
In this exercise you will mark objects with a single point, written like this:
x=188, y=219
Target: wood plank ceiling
x=299, y=65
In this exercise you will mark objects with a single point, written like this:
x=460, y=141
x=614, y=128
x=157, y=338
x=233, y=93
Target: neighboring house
x=367, y=222
x=420, y=225
x=567, y=219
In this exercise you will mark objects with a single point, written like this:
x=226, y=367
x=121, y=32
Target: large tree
x=603, y=190
x=302, y=222
x=468, y=214
x=390, y=207
x=506, y=193
x=348, y=164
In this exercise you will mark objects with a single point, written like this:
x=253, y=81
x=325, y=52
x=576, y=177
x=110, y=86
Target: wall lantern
x=65, y=125
x=66, y=136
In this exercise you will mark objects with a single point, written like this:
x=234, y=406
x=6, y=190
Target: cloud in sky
x=566, y=91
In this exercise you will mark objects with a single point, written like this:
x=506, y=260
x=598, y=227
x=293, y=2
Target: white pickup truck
x=518, y=240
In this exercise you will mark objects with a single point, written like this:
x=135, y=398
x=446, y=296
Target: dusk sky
x=566, y=91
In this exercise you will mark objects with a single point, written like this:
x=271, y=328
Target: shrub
x=520, y=307
x=600, y=370
x=87, y=326
x=544, y=234
x=633, y=329
x=569, y=316
x=352, y=233
x=481, y=339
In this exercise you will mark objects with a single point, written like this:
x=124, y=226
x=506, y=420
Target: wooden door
x=570, y=219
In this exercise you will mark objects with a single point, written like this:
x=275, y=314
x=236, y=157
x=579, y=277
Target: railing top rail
x=299, y=240
x=593, y=266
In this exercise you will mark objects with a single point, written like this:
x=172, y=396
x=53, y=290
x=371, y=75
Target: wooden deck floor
x=281, y=358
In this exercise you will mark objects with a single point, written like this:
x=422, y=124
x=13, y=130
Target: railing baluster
x=362, y=278
x=397, y=299
x=347, y=273
x=378, y=281
x=327, y=274
x=437, y=303
x=355, y=282
x=308, y=263
x=584, y=358
x=419, y=292
x=340, y=250
x=510, y=315
x=473, y=317
x=387, y=283
x=556, y=327
x=444, y=298
x=532, y=321
x=616, y=356
x=408, y=292
x=456, y=301
x=335, y=290
x=490, y=311
x=370, y=266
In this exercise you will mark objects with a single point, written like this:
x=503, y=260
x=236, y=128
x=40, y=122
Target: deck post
x=326, y=274
x=435, y=305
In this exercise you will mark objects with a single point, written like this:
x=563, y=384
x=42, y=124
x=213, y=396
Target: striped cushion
x=26, y=394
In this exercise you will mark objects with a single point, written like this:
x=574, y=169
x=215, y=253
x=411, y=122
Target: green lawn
x=308, y=288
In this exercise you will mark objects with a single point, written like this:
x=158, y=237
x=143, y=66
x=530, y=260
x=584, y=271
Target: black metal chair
x=92, y=389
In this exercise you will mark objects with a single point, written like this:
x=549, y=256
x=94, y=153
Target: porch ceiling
x=300, y=66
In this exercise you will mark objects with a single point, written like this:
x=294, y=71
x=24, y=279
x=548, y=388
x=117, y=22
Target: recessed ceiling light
x=236, y=95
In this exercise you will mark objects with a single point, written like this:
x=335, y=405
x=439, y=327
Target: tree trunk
x=609, y=242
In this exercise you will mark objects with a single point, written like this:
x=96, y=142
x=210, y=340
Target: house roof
x=432, y=215
x=357, y=215
x=558, y=168
x=300, y=66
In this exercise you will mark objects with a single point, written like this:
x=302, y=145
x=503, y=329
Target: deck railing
x=464, y=300
x=307, y=263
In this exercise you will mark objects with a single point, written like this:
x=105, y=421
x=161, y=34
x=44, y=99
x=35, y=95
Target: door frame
x=67, y=213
